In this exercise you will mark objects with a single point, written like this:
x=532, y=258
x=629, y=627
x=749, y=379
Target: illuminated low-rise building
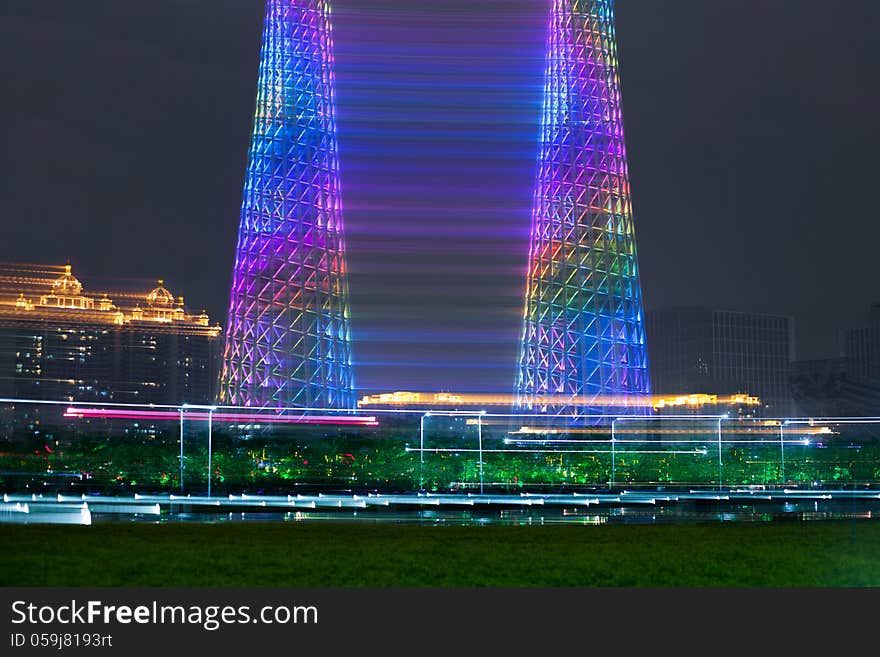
x=739, y=405
x=57, y=342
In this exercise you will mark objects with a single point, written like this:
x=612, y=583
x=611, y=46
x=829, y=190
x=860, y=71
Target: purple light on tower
x=583, y=324
x=288, y=328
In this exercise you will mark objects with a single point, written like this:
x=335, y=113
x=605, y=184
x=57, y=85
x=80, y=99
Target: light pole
x=613, y=464
x=719, y=452
x=782, y=448
x=480, y=444
x=210, y=418
x=181, y=448
x=421, y=451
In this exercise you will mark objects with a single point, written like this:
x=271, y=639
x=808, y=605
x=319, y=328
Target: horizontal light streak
x=617, y=441
x=428, y=399
x=694, y=452
x=487, y=417
x=246, y=418
x=737, y=430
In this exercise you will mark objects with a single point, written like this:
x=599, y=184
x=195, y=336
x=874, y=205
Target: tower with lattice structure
x=288, y=339
x=583, y=326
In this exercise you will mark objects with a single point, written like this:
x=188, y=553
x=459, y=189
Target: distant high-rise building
x=820, y=388
x=853, y=388
x=861, y=346
x=582, y=333
x=723, y=352
x=57, y=343
x=288, y=327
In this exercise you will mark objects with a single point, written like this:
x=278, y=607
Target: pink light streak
x=246, y=418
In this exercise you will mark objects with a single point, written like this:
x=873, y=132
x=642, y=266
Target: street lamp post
x=480, y=443
x=613, y=454
x=210, y=428
x=421, y=452
x=782, y=448
x=181, y=450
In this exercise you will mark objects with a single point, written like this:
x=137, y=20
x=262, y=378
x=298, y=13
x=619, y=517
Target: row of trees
x=346, y=459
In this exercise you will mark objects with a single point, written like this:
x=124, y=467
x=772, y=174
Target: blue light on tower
x=288, y=335
x=583, y=334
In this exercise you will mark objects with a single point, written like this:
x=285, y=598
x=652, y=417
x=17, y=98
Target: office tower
x=698, y=350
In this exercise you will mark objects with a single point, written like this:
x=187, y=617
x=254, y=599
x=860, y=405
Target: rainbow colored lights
x=288, y=327
x=583, y=334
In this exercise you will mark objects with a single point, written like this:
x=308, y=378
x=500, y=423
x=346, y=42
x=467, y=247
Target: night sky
x=751, y=128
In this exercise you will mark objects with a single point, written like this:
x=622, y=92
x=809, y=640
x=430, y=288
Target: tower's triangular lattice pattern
x=288, y=328
x=583, y=334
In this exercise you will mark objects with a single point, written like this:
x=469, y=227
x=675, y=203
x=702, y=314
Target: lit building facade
x=727, y=352
x=58, y=343
x=288, y=326
x=478, y=402
x=583, y=334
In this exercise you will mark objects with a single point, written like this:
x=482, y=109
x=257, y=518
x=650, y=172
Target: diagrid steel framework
x=583, y=326
x=288, y=327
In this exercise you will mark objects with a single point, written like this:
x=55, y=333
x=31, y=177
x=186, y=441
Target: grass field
x=827, y=553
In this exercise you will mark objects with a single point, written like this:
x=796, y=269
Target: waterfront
x=625, y=507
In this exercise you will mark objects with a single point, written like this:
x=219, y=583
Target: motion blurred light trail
x=626, y=429
x=427, y=399
x=250, y=418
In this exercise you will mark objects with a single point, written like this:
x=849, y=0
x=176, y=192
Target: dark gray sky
x=751, y=130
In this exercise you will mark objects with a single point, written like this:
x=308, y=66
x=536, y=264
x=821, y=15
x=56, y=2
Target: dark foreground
x=828, y=553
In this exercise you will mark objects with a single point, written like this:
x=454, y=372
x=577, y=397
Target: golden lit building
x=739, y=405
x=57, y=342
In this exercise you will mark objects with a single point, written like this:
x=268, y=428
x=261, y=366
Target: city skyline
x=456, y=319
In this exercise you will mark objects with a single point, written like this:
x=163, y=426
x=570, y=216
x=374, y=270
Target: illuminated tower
x=288, y=328
x=583, y=327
